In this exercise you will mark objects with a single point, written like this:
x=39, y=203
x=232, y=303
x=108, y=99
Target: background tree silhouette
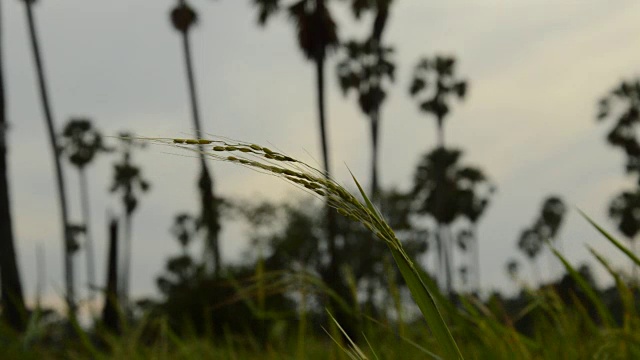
x=446, y=190
x=622, y=105
x=551, y=217
x=129, y=182
x=381, y=8
x=183, y=17
x=473, y=199
x=624, y=209
x=10, y=284
x=549, y=223
x=81, y=142
x=363, y=69
x=543, y=231
x=55, y=150
x=181, y=269
x=317, y=36
x=432, y=85
x=513, y=267
x=530, y=244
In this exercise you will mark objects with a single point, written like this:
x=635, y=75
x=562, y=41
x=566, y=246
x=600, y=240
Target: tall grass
x=482, y=331
x=578, y=324
x=312, y=180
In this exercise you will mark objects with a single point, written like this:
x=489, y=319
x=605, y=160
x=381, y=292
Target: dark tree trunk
x=205, y=183
x=440, y=257
x=68, y=260
x=448, y=246
x=374, y=156
x=40, y=274
x=126, y=261
x=476, y=257
x=440, y=133
x=380, y=21
x=331, y=219
x=331, y=276
x=110, y=316
x=86, y=219
x=11, y=288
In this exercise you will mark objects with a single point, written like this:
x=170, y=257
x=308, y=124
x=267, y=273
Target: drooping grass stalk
x=314, y=181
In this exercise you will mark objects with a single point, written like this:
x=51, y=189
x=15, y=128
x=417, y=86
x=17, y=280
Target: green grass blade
x=625, y=293
x=604, y=314
x=345, y=350
x=420, y=292
x=370, y=347
x=355, y=347
x=611, y=239
x=427, y=306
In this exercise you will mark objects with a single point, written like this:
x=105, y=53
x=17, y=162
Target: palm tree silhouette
x=183, y=17
x=10, y=287
x=623, y=104
x=530, y=244
x=473, y=199
x=55, y=150
x=512, y=268
x=317, y=36
x=625, y=210
x=81, y=142
x=549, y=223
x=436, y=78
x=129, y=181
x=363, y=69
x=551, y=216
x=446, y=190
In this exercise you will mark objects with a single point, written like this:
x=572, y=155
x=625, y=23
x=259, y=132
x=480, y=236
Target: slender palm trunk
x=40, y=274
x=331, y=276
x=68, y=257
x=11, y=286
x=86, y=220
x=126, y=261
x=448, y=259
x=440, y=133
x=110, y=310
x=331, y=219
x=375, y=118
x=321, y=114
x=439, y=254
x=476, y=258
x=205, y=183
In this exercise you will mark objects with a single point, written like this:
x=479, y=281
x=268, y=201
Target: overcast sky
x=536, y=70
